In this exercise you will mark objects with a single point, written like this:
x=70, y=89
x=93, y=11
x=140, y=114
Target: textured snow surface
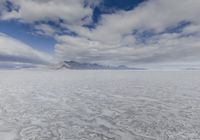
x=99, y=105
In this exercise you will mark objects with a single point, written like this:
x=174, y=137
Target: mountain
x=90, y=66
x=78, y=65
x=192, y=69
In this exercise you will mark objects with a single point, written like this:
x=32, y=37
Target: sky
x=110, y=32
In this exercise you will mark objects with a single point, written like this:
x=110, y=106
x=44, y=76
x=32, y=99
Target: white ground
x=99, y=105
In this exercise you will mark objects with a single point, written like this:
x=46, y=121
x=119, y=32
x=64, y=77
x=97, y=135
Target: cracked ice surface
x=99, y=105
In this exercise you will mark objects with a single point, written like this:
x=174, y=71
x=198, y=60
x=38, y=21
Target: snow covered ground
x=99, y=105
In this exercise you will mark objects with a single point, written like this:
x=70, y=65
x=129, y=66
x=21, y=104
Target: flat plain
x=99, y=105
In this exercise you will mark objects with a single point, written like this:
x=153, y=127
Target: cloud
x=45, y=29
x=117, y=37
x=156, y=31
x=154, y=15
x=158, y=49
x=12, y=50
x=70, y=11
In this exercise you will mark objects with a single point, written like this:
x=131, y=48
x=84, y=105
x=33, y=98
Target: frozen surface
x=99, y=105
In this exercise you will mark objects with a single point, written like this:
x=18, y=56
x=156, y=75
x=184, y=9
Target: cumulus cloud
x=119, y=35
x=71, y=11
x=155, y=31
x=160, y=48
x=45, y=29
x=12, y=50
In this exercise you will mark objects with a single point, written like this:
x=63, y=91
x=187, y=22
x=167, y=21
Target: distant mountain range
x=90, y=66
x=73, y=65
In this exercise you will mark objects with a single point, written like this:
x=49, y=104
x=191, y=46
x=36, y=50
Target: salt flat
x=99, y=105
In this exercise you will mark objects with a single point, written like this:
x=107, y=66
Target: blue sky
x=25, y=33
x=112, y=32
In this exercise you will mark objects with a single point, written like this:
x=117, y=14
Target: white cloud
x=192, y=29
x=155, y=15
x=71, y=11
x=114, y=39
x=160, y=48
x=2, y=6
x=45, y=29
x=12, y=50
